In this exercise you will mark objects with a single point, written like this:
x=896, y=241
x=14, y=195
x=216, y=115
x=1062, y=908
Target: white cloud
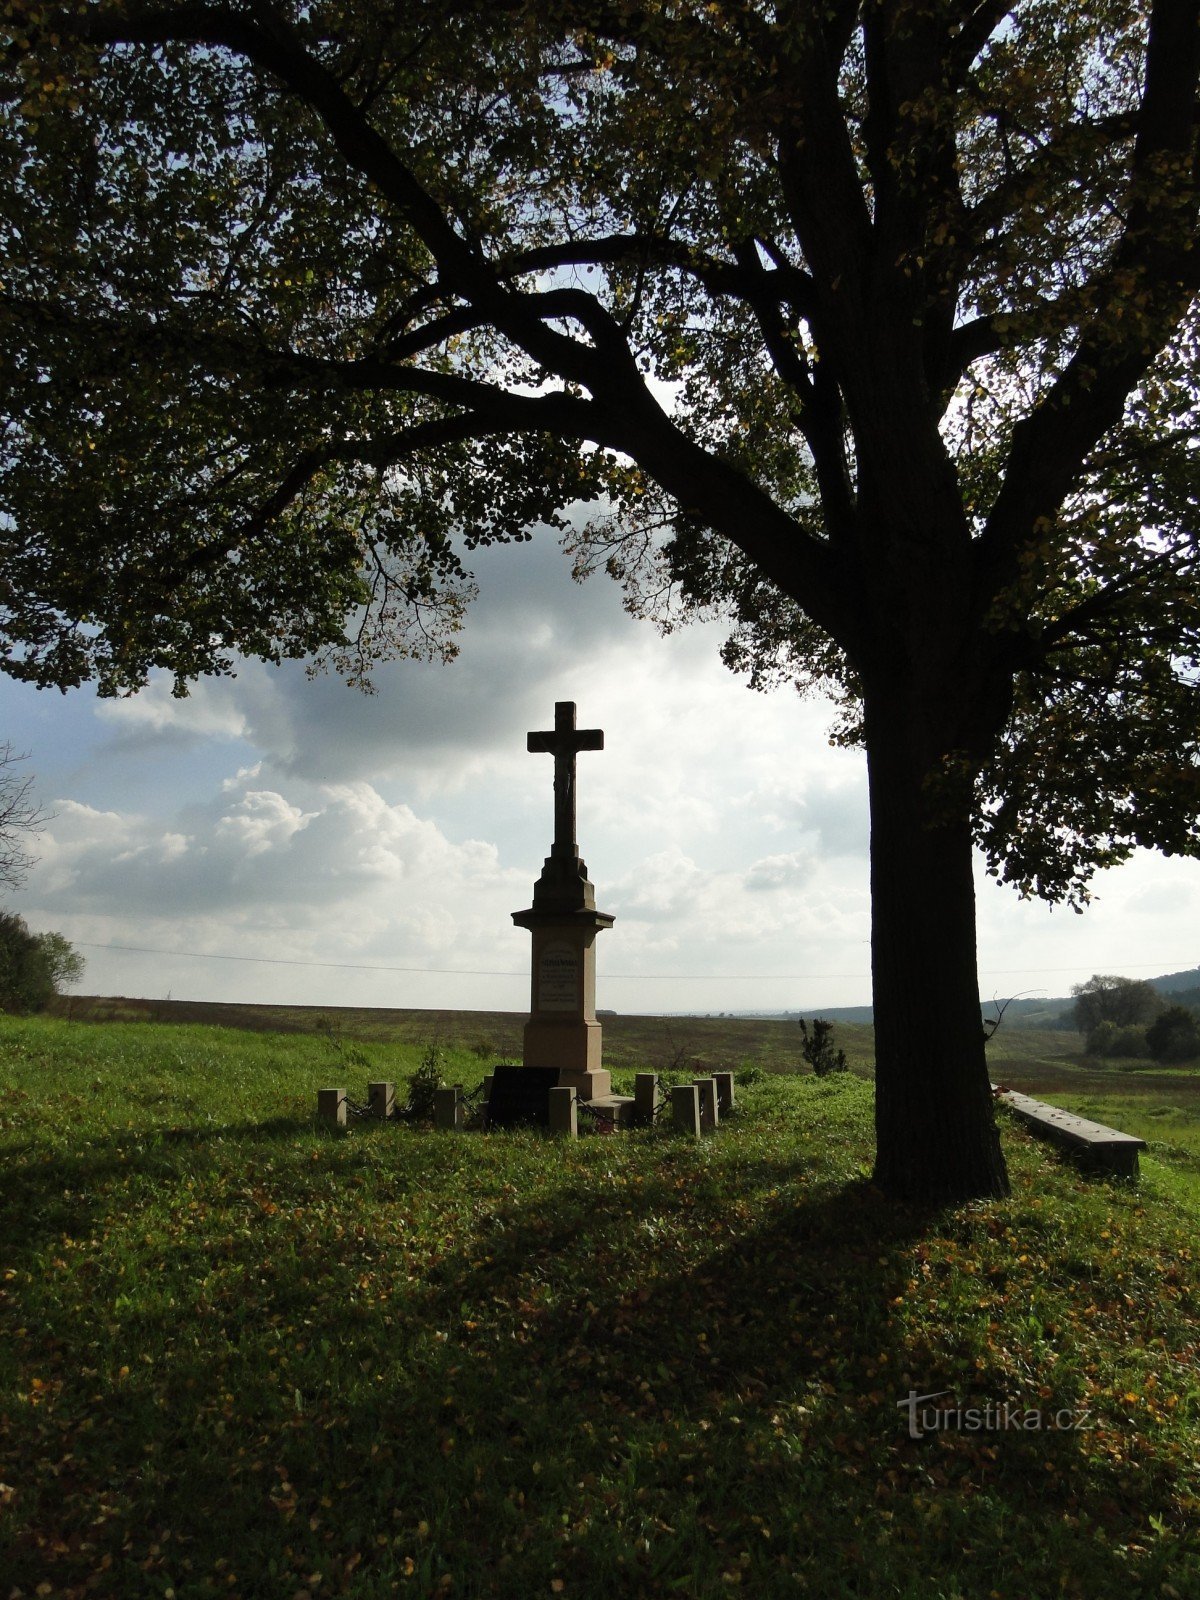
x=261, y=820
x=333, y=849
x=206, y=713
x=334, y=873
x=824, y=800
x=780, y=872
x=240, y=777
x=662, y=888
x=1141, y=923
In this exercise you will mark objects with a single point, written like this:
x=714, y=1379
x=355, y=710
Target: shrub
x=1098, y=1041
x=422, y=1085
x=1174, y=1035
x=1111, y=1039
x=1129, y=1042
x=818, y=1050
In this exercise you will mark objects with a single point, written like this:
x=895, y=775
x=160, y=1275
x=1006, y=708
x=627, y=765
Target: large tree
x=1106, y=998
x=871, y=324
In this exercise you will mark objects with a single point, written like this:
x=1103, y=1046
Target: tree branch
x=463, y=268
x=818, y=172
x=986, y=336
x=720, y=278
x=993, y=209
x=977, y=28
x=1104, y=603
x=383, y=450
x=821, y=429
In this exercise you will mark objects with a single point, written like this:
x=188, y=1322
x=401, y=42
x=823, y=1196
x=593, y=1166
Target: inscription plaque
x=558, y=978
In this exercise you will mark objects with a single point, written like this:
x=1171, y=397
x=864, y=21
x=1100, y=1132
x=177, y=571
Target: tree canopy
x=33, y=966
x=307, y=298
x=1174, y=1035
x=870, y=325
x=64, y=964
x=1119, y=1001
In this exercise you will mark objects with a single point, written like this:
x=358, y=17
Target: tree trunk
x=936, y=1136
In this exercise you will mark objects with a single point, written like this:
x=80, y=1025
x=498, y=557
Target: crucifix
x=563, y=742
x=562, y=1036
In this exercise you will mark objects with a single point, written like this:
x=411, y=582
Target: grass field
x=241, y=1355
x=630, y=1042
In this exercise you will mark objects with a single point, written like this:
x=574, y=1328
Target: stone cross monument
x=562, y=1033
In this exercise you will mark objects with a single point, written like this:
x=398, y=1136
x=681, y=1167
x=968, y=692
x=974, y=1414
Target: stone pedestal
x=448, y=1109
x=564, y=1113
x=685, y=1108
x=331, y=1107
x=645, y=1099
x=706, y=1090
x=381, y=1098
x=562, y=1034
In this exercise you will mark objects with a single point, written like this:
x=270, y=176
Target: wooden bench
x=1089, y=1144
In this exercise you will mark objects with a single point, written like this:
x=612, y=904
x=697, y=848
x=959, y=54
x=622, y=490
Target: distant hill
x=1189, y=998
x=832, y=1014
x=1179, y=982
x=1022, y=1013
x=1180, y=988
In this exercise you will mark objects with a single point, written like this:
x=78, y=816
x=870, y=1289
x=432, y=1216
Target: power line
x=464, y=972
x=624, y=977
x=284, y=961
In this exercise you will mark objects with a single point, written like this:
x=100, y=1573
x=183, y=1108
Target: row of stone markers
x=334, y=1105
x=694, y=1107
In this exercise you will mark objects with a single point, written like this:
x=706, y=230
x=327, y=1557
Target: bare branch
x=20, y=816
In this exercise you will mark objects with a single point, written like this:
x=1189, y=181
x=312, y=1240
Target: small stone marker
x=381, y=1099
x=706, y=1089
x=685, y=1108
x=331, y=1107
x=564, y=1112
x=448, y=1108
x=724, y=1083
x=645, y=1098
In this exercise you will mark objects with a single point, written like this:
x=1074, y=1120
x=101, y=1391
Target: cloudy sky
x=279, y=838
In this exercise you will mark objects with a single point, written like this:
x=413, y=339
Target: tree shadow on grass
x=52, y=1191
x=643, y=1381
x=756, y=1389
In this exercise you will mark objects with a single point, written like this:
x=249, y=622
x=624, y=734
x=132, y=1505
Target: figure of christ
x=564, y=742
